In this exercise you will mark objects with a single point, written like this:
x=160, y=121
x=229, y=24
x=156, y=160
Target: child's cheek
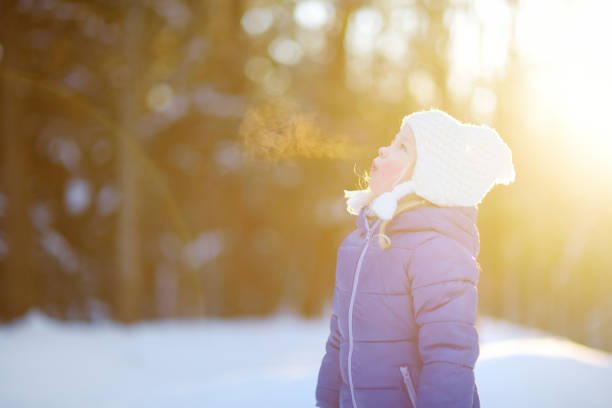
x=390, y=171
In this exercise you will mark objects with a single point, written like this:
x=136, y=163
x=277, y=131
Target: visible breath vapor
x=279, y=131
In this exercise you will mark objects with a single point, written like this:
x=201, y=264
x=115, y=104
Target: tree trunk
x=129, y=280
x=17, y=286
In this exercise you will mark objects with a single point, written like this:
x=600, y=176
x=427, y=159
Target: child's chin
x=379, y=189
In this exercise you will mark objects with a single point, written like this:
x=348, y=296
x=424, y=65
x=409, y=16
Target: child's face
x=392, y=160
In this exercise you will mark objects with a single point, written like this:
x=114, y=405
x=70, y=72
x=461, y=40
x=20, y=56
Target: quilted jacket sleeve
x=329, y=380
x=444, y=278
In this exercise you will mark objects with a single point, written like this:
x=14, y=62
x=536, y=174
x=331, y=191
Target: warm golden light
x=566, y=69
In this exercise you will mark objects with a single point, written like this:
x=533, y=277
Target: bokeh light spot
x=160, y=97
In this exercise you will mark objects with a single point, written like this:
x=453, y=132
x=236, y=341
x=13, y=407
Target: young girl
x=404, y=306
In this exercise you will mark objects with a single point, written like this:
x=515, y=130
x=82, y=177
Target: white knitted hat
x=457, y=164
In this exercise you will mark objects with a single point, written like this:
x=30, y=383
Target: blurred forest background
x=174, y=158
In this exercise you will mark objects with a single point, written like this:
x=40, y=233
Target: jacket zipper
x=351, y=304
x=409, y=384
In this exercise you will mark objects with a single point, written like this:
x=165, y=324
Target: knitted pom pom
x=385, y=205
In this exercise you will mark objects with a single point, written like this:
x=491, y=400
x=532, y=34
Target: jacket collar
x=365, y=222
x=458, y=223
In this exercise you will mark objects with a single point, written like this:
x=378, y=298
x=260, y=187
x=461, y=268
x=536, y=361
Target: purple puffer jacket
x=403, y=320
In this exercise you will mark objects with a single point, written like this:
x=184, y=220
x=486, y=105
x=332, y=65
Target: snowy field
x=259, y=363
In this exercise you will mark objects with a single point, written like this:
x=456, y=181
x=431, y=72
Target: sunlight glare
x=571, y=70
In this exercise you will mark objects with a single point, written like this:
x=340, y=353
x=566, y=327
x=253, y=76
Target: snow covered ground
x=258, y=363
